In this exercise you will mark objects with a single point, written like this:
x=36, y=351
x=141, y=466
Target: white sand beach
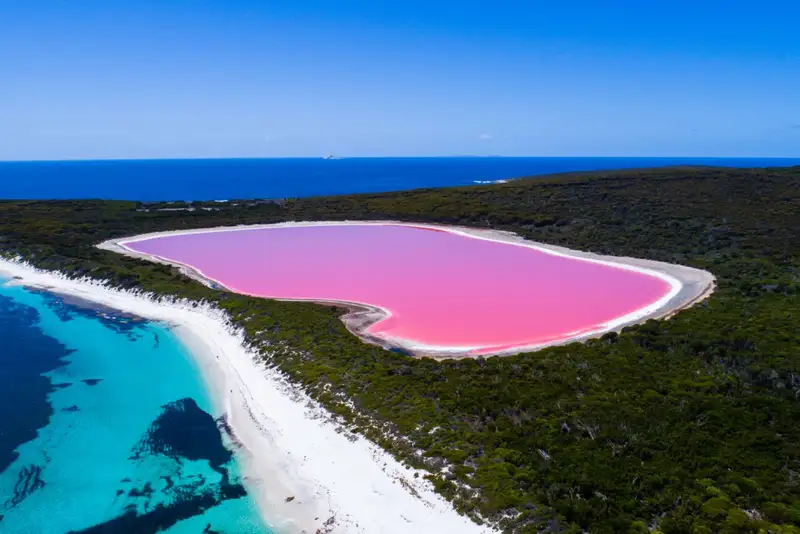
x=307, y=474
x=688, y=285
x=305, y=471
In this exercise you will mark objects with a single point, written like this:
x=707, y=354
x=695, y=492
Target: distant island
x=687, y=424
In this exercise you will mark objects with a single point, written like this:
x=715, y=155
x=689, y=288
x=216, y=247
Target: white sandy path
x=290, y=447
x=688, y=285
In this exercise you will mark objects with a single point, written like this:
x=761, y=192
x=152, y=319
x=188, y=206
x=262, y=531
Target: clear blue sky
x=223, y=78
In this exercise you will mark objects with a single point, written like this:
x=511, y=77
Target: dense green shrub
x=683, y=426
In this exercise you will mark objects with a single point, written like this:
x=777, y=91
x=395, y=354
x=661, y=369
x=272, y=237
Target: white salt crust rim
x=656, y=309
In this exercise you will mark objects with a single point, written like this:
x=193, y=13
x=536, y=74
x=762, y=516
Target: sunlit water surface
x=442, y=289
x=106, y=427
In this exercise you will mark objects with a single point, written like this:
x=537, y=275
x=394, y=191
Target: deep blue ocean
x=226, y=179
x=105, y=422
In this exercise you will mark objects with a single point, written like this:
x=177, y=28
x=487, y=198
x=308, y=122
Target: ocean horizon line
x=402, y=157
x=151, y=180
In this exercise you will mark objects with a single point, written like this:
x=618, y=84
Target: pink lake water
x=443, y=290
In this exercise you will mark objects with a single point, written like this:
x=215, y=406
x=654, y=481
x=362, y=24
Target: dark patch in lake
x=68, y=307
x=28, y=481
x=164, y=516
x=27, y=354
x=146, y=491
x=225, y=428
x=72, y=408
x=92, y=381
x=183, y=430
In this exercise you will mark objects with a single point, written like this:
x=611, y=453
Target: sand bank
x=306, y=474
x=687, y=286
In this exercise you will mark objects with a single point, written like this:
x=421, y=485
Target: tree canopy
x=688, y=425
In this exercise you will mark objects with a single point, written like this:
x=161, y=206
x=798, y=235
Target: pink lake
x=444, y=291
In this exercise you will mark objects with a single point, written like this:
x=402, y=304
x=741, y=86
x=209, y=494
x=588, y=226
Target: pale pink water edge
x=442, y=289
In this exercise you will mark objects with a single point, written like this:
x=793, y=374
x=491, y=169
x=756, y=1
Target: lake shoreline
x=688, y=286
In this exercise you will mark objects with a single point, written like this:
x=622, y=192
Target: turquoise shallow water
x=107, y=427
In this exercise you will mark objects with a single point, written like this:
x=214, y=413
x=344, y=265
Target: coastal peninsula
x=686, y=424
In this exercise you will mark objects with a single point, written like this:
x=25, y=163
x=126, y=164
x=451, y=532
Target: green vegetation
x=690, y=425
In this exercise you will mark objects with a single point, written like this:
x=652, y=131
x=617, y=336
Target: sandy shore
x=688, y=285
x=304, y=471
